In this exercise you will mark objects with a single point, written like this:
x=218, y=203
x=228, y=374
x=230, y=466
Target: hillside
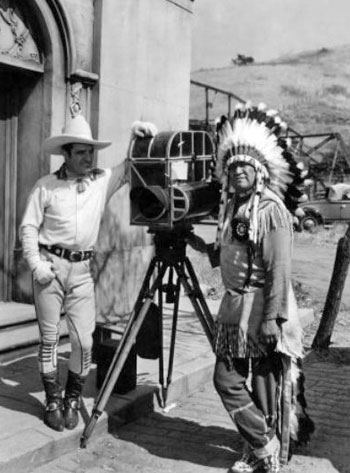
x=311, y=90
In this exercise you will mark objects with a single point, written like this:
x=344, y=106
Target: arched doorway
x=21, y=72
x=27, y=68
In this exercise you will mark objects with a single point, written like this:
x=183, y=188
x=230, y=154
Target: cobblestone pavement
x=196, y=435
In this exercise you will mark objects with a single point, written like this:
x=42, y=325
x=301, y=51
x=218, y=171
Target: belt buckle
x=75, y=256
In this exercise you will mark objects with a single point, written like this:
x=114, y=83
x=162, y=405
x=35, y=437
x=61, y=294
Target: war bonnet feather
x=253, y=136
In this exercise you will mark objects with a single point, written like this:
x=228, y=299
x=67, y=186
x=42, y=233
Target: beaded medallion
x=240, y=228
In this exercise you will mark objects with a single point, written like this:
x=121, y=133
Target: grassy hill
x=311, y=90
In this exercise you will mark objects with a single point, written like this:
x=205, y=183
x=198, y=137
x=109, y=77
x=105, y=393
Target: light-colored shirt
x=64, y=216
x=58, y=214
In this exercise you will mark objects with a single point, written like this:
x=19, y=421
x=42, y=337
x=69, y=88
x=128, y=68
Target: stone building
x=120, y=61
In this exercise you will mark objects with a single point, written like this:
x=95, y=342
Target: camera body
x=171, y=179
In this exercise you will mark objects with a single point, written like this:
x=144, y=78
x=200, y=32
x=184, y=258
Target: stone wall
x=143, y=59
x=81, y=17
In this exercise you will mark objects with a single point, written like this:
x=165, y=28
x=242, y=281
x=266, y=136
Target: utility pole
x=340, y=271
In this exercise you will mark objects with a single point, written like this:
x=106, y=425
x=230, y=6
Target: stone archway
x=33, y=68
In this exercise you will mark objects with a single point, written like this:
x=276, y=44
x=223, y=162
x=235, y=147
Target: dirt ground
x=313, y=264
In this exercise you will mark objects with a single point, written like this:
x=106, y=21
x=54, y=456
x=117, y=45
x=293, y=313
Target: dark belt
x=70, y=255
x=238, y=290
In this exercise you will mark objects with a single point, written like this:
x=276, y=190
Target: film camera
x=171, y=179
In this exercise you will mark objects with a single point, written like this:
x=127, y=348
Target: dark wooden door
x=21, y=125
x=8, y=181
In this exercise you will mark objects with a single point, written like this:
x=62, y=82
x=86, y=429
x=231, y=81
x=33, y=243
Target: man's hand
x=269, y=333
x=44, y=273
x=143, y=129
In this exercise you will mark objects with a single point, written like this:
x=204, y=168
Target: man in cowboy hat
x=58, y=233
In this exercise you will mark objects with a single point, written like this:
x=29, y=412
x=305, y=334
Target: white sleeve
x=30, y=246
x=30, y=225
x=118, y=178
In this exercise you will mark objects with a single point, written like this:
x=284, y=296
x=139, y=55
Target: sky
x=265, y=29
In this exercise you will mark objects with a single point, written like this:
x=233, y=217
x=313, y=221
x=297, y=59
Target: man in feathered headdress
x=257, y=329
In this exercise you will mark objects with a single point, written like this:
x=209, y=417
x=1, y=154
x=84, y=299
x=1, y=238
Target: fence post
x=340, y=270
x=207, y=107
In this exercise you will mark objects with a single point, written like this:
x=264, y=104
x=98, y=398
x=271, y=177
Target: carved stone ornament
x=75, y=106
x=15, y=36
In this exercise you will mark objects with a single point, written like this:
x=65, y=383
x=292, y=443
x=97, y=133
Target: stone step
x=19, y=332
x=15, y=313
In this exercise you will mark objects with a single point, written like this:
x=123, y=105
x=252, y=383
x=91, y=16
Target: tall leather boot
x=53, y=416
x=72, y=399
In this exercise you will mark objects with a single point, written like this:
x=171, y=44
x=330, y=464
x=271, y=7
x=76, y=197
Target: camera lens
x=152, y=202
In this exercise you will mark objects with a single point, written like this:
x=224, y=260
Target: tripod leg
x=138, y=305
x=145, y=284
x=121, y=354
x=194, y=293
x=172, y=343
x=205, y=309
x=161, y=342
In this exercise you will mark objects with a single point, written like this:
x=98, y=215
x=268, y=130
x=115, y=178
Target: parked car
x=335, y=207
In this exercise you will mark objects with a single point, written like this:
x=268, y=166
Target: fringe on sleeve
x=272, y=216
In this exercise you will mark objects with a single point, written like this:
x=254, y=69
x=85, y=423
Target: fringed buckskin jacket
x=268, y=295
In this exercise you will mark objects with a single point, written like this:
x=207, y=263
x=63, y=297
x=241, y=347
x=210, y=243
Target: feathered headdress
x=254, y=137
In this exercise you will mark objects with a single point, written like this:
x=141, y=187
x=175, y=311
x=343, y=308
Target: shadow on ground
x=17, y=389
x=181, y=439
x=21, y=389
x=327, y=392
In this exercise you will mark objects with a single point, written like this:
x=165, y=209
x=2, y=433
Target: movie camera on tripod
x=171, y=188
x=170, y=179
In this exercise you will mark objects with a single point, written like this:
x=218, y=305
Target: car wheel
x=309, y=223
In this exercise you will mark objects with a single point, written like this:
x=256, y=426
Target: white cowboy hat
x=77, y=130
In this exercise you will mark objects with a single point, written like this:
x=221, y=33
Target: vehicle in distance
x=335, y=207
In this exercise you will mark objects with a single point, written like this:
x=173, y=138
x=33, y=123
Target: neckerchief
x=62, y=173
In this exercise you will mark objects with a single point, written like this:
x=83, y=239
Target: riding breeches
x=70, y=292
